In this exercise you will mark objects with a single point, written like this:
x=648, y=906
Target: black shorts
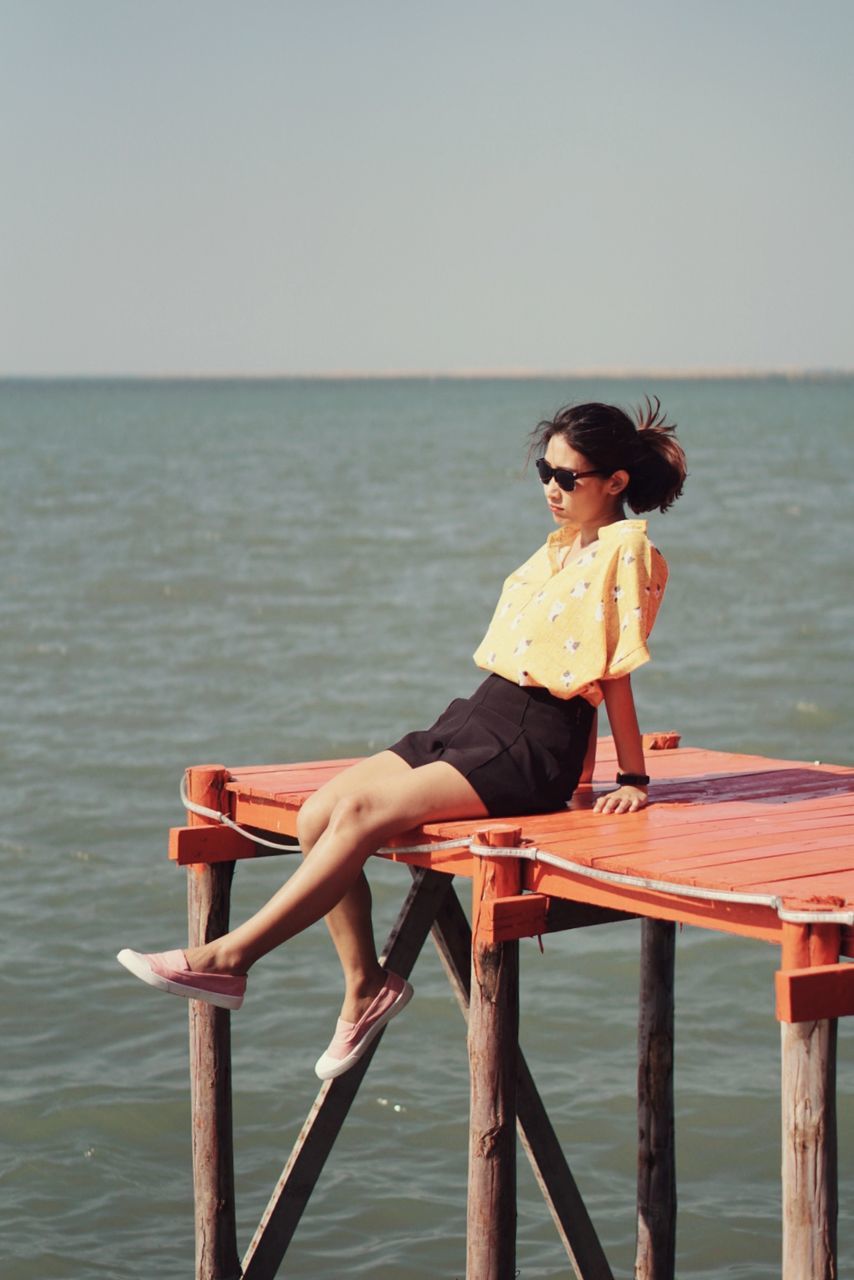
x=521, y=749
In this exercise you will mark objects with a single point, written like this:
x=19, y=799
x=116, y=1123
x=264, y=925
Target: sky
x=381, y=186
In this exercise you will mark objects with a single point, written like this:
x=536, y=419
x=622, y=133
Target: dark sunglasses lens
x=564, y=477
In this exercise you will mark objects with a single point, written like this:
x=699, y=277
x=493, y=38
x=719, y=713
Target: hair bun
x=662, y=469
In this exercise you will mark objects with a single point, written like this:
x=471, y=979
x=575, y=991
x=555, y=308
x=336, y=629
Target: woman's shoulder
x=625, y=532
x=629, y=535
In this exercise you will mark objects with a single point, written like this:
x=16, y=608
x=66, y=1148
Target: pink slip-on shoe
x=169, y=971
x=351, y=1039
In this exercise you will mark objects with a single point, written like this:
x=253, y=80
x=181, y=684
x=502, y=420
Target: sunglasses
x=565, y=478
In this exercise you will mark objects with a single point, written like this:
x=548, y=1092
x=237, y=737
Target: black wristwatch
x=632, y=779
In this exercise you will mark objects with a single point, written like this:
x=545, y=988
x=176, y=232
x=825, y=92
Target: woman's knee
x=312, y=821
x=355, y=816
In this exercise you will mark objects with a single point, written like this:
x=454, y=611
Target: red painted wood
x=823, y=991
x=522, y=915
x=719, y=821
x=207, y=844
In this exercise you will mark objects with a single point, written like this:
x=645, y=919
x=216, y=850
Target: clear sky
x=202, y=186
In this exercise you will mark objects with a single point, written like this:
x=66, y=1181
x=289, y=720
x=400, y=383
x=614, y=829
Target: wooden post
x=493, y=1044
x=656, y=1232
x=808, y=1050
x=208, y=900
x=452, y=936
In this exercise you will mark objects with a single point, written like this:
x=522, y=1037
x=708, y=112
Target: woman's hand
x=623, y=800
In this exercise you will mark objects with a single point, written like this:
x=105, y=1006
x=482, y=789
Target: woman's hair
x=647, y=448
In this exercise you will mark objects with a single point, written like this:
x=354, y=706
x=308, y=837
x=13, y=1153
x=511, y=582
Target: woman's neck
x=590, y=532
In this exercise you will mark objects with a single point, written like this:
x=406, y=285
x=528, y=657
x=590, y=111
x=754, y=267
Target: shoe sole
x=136, y=965
x=338, y=1066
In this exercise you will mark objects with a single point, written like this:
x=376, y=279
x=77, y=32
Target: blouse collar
x=608, y=533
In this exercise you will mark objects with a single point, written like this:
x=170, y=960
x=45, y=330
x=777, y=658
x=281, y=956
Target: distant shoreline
x=454, y=375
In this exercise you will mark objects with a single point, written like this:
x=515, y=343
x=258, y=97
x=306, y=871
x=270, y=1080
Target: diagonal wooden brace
x=299, y=1177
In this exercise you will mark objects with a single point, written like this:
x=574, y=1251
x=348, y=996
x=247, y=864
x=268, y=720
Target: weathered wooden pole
x=808, y=1089
x=493, y=1045
x=452, y=936
x=655, y=1258
x=208, y=899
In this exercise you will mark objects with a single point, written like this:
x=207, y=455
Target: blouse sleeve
x=633, y=597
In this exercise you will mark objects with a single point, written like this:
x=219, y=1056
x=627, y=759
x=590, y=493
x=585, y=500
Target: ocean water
x=253, y=572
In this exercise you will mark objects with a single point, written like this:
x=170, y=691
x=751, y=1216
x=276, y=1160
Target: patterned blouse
x=566, y=626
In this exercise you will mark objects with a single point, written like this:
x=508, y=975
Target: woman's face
x=592, y=501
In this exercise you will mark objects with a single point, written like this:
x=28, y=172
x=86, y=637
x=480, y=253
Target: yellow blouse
x=566, y=626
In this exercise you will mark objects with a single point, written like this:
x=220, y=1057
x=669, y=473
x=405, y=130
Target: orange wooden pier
x=735, y=843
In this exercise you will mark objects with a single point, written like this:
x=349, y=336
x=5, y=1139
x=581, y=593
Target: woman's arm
x=623, y=718
x=590, y=753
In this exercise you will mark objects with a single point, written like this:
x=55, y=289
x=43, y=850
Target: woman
x=570, y=626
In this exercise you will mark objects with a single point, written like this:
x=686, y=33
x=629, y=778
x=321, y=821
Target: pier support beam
x=493, y=1043
x=208, y=902
x=656, y=1239
x=808, y=1050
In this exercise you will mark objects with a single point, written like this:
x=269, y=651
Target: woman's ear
x=618, y=481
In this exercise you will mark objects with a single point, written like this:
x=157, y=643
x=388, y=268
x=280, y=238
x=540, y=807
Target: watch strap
x=632, y=779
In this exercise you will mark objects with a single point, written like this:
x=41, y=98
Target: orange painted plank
x=265, y=815
x=207, y=844
x=274, y=782
x=663, y=817
x=716, y=851
x=522, y=915
x=745, y=920
x=316, y=766
x=679, y=836
x=820, y=885
x=665, y=832
x=713, y=853
x=824, y=991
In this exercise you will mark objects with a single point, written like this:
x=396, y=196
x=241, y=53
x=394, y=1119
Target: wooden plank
x=746, y=920
x=530, y=915
x=756, y=850
x=704, y=856
x=821, y=991
x=208, y=844
x=655, y=1257
x=671, y=836
x=208, y=902
x=266, y=815
x=299, y=1177
x=278, y=777
x=522, y=915
x=452, y=937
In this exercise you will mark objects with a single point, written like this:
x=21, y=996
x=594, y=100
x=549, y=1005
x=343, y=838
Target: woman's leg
x=360, y=822
x=349, y=923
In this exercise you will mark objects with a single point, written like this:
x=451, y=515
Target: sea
x=252, y=572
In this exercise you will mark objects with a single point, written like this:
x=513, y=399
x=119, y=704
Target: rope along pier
x=531, y=853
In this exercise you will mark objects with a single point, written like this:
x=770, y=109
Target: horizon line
x=691, y=373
